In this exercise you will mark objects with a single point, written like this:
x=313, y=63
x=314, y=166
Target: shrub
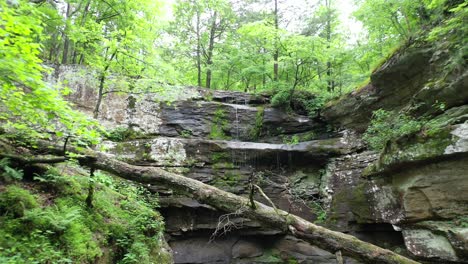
x=388, y=125
x=8, y=173
x=15, y=200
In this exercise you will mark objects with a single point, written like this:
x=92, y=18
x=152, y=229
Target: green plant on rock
x=256, y=130
x=120, y=134
x=219, y=125
x=319, y=211
x=291, y=140
x=453, y=32
x=388, y=125
x=227, y=179
x=186, y=133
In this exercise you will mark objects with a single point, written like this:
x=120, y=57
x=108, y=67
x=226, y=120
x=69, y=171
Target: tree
x=30, y=107
x=231, y=203
x=201, y=25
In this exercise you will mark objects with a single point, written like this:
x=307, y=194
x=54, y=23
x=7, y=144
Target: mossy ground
x=47, y=220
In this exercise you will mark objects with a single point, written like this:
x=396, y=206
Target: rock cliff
x=412, y=197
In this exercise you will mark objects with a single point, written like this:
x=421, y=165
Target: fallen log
x=327, y=239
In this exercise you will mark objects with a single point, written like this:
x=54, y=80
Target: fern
x=10, y=173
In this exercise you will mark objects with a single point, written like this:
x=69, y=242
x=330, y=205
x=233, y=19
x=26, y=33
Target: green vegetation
x=454, y=32
x=47, y=221
x=256, y=130
x=120, y=134
x=227, y=47
x=219, y=125
x=9, y=173
x=226, y=178
x=387, y=125
x=319, y=211
x=290, y=140
x=186, y=133
x=32, y=109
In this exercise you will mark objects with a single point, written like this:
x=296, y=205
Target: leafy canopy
x=31, y=107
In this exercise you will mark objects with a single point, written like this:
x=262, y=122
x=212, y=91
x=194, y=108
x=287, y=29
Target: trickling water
x=237, y=124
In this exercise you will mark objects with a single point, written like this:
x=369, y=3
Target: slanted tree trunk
x=327, y=239
x=102, y=79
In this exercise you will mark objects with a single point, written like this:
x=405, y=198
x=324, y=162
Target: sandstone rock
x=424, y=243
x=246, y=249
x=410, y=79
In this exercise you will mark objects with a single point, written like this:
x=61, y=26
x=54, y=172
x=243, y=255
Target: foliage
x=8, y=173
x=387, y=125
x=291, y=140
x=219, y=125
x=120, y=134
x=14, y=201
x=319, y=211
x=451, y=35
x=256, y=131
x=30, y=107
x=57, y=227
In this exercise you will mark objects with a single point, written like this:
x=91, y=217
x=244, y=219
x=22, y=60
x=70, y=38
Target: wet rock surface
x=412, y=197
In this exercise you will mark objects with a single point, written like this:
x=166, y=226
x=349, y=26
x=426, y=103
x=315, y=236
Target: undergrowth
x=48, y=221
x=388, y=125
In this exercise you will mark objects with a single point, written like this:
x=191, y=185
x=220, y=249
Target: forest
x=63, y=201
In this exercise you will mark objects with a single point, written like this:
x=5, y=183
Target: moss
x=256, y=130
x=270, y=256
x=56, y=227
x=120, y=134
x=217, y=157
x=429, y=143
x=411, y=149
x=223, y=165
x=15, y=201
x=227, y=179
x=357, y=200
x=219, y=125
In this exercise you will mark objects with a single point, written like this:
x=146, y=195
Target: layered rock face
x=231, y=140
x=418, y=183
x=412, y=197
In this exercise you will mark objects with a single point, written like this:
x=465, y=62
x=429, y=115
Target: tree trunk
x=66, y=40
x=198, y=50
x=228, y=202
x=330, y=81
x=209, y=59
x=102, y=79
x=327, y=239
x=276, y=54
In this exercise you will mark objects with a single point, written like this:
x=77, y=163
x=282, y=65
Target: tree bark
x=327, y=239
x=330, y=81
x=198, y=32
x=276, y=52
x=209, y=59
x=221, y=200
x=102, y=79
x=66, y=40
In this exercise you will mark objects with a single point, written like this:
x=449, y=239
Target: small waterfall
x=237, y=124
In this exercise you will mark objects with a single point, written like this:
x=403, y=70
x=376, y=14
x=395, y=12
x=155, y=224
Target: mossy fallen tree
x=327, y=239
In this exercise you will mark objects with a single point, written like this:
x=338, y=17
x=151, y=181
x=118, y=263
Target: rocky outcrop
x=412, y=197
x=419, y=182
x=414, y=78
